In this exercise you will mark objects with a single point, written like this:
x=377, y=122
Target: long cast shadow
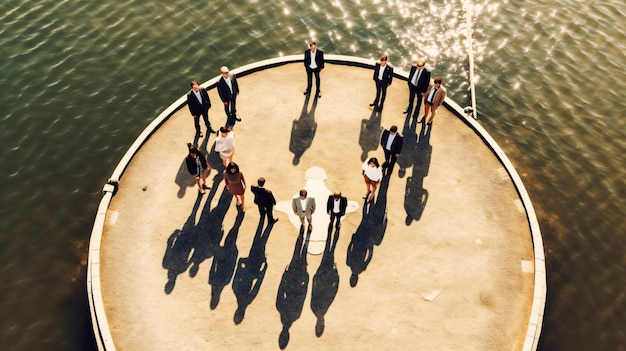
x=325, y=282
x=409, y=148
x=370, y=133
x=303, y=130
x=224, y=260
x=179, y=246
x=293, y=287
x=251, y=271
x=210, y=229
x=370, y=232
x=415, y=196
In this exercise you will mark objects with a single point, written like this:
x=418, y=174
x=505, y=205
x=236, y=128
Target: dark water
x=79, y=80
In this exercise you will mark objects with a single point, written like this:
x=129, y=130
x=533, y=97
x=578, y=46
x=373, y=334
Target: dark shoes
x=405, y=110
x=372, y=104
x=275, y=220
x=319, y=94
x=238, y=119
x=306, y=92
x=211, y=130
x=205, y=187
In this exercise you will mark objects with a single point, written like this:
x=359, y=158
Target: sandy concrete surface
x=452, y=275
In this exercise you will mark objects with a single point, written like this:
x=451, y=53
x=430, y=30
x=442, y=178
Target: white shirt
x=313, y=64
x=336, y=205
x=373, y=173
x=431, y=96
x=198, y=95
x=303, y=204
x=225, y=146
x=381, y=72
x=390, y=141
x=416, y=76
x=230, y=85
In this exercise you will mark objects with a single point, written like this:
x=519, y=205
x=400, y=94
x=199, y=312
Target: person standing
x=265, y=200
x=199, y=104
x=304, y=206
x=235, y=183
x=314, y=64
x=435, y=95
x=228, y=89
x=383, y=75
x=197, y=167
x=225, y=145
x=336, y=208
x=372, y=174
x=391, y=142
x=419, y=79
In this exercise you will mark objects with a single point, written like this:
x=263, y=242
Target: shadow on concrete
x=415, y=196
x=251, y=271
x=210, y=229
x=293, y=287
x=224, y=260
x=303, y=130
x=179, y=246
x=370, y=232
x=325, y=282
x=369, y=137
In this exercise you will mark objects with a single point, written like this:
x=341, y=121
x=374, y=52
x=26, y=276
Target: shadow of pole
x=293, y=287
x=415, y=196
x=303, y=130
x=251, y=271
x=325, y=282
x=224, y=261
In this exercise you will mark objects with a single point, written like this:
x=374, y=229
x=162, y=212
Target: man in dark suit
x=265, y=200
x=199, y=104
x=419, y=79
x=383, y=75
x=391, y=142
x=336, y=208
x=228, y=89
x=314, y=64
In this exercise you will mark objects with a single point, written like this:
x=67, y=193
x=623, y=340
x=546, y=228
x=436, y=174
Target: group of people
x=199, y=103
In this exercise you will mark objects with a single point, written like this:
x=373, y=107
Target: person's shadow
x=303, y=130
x=251, y=271
x=224, y=260
x=179, y=246
x=415, y=196
x=370, y=134
x=325, y=282
x=409, y=147
x=370, y=232
x=293, y=288
x=210, y=228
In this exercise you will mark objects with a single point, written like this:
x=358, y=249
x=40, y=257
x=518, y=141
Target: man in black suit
x=228, y=89
x=265, y=200
x=314, y=64
x=383, y=75
x=336, y=208
x=419, y=79
x=199, y=104
x=391, y=142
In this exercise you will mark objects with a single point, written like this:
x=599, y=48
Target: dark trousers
x=231, y=110
x=381, y=94
x=333, y=217
x=205, y=117
x=413, y=94
x=390, y=161
x=309, y=79
x=267, y=211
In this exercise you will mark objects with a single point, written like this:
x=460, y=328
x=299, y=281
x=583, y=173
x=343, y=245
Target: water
x=79, y=80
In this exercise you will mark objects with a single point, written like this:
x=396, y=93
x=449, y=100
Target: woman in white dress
x=372, y=175
x=225, y=145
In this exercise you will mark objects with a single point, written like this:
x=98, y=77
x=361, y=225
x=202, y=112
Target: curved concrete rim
x=100, y=324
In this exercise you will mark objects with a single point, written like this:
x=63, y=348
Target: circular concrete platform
x=443, y=259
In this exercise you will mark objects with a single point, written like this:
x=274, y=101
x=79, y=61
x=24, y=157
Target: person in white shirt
x=304, y=206
x=314, y=64
x=372, y=174
x=225, y=145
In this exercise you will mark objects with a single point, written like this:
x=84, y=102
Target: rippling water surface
x=79, y=80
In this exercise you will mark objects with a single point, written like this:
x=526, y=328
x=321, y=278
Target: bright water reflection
x=81, y=79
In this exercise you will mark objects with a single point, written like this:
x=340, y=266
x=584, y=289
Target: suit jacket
x=191, y=161
x=224, y=90
x=297, y=206
x=262, y=196
x=319, y=59
x=424, y=80
x=343, y=204
x=440, y=95
x=396, y=145
x=196, y=108
x=387, y=75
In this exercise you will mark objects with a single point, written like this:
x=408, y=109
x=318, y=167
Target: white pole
x=468, y=21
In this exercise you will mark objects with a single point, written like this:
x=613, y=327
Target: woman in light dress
x=225, y=145
x=372, y=175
